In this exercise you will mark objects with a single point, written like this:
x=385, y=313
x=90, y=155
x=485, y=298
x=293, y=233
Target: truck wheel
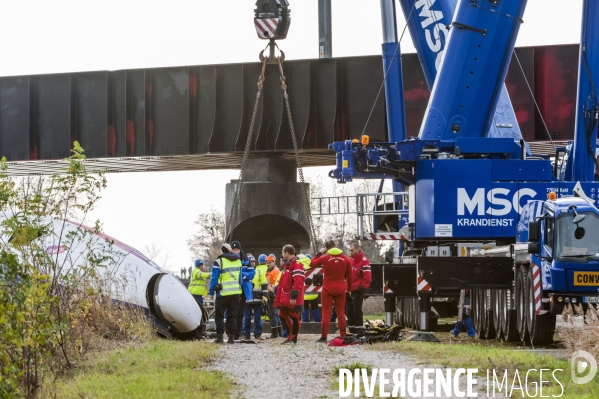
x=475, y=310
x=510, y=324
x=540, y=327
x=489, y=327
x=407, y=316
x=482, y=314
x=521, y=303
x=399, y=315
x=416, y=313
x=498, y=315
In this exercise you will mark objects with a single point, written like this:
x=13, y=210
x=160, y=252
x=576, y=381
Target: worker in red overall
x=337, y=280
x=290, y=293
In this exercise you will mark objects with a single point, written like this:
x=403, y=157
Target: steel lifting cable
x=237, y=198
x=297, y=159
x=389, y=68
x=246, y=152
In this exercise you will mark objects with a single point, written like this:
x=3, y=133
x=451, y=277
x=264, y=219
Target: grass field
x=500, y=358
x=158, y=369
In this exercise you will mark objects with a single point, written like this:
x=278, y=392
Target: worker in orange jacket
x=272, y=279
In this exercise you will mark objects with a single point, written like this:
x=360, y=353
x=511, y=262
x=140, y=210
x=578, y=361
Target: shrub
x=55, y=298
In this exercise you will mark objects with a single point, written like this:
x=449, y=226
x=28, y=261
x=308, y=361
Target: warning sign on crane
x=272, y=19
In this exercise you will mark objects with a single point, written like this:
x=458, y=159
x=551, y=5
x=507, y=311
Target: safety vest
x=229, y=277
x=306, y=263
x=260, y=278
x=197, y=285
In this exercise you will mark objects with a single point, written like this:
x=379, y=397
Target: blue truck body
x=474, y=182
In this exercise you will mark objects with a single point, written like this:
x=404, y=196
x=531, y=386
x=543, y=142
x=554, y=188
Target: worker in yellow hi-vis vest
x=225, y=282
x=198, y=284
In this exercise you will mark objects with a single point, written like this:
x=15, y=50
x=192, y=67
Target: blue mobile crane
x=484, y=216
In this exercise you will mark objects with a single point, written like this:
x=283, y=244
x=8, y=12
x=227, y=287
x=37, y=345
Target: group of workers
x=238, y=283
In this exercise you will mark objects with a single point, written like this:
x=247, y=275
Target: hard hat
x=199, y=262
x=309, y=256
x=273, y=255
x=270, y=258
x=251, y=258
x=262, y=258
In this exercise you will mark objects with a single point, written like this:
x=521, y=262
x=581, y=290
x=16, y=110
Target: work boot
x=219, y=339
x=274, y=333
x=470, y=328
x=231, y=339
x=258, y=337
x=359, y=331
x=247, y=337
x=284, y=334
x=322, y=339
x=280, y=330
x=292, y=339
x=456, y=330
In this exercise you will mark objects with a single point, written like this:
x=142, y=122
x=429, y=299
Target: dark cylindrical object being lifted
x=271, y=212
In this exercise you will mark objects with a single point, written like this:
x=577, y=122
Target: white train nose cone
x=175, y=305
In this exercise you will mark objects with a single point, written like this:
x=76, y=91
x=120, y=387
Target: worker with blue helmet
x=198, y=283
x=254, y=305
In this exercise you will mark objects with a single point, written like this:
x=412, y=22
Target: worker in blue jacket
x=246, y=276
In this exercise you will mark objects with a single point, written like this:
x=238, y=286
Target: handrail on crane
x=366, y=205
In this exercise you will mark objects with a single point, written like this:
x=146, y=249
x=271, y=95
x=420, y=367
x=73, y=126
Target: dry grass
x=99, y=324
x=583, y=333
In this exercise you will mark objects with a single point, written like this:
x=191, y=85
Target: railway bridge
x=198, y=117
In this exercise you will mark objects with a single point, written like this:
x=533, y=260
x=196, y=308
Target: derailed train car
x=131, y=278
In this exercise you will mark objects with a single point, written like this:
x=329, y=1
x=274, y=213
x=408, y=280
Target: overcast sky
x=158, y=208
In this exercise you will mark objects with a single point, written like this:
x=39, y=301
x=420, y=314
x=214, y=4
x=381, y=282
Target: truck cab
x=565, y=246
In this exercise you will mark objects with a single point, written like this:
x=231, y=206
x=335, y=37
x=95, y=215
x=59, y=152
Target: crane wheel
x=541, y=328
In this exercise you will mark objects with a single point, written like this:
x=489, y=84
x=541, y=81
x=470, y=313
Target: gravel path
x=304, y=370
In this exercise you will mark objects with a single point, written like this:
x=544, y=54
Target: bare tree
x=343, y=228
x=158, y=255
x=208, y=240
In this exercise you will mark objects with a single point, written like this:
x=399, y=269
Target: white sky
x=159, y=208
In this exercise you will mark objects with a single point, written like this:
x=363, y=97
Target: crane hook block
x=271, y=19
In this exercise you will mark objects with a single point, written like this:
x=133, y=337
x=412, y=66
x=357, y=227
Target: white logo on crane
x=500, y=203
x=433, y=28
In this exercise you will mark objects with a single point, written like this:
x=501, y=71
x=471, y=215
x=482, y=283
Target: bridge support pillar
x=271, y=212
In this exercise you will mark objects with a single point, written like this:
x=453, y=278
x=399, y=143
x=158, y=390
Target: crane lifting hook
x=272, y=59
x=271, y=20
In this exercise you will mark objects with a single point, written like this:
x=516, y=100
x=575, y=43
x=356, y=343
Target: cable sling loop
x=297, y=159
x=237, y=198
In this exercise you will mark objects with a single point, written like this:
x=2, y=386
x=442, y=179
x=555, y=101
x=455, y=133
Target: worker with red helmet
x=336, y=284
x=361, y=279
x=290, y=293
